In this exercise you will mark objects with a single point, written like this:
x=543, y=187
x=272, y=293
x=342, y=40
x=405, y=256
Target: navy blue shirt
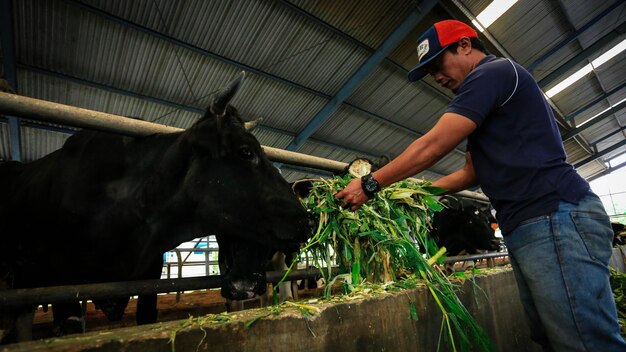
x=516, y=149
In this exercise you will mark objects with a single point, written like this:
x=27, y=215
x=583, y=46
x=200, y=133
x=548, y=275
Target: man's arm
x=460, y=179
x=421, y=154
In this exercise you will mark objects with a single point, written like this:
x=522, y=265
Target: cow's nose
x=245, y=288
x=240, y=289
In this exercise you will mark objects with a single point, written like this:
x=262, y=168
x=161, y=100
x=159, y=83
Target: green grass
x=387, y=240
x=618, y=285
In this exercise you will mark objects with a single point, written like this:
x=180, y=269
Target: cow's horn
x=250, y=125
x=221, y=99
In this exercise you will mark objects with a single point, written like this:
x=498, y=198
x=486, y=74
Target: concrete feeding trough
x=377, y=323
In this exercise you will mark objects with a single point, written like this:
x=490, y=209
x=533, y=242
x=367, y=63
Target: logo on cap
x=422, y=49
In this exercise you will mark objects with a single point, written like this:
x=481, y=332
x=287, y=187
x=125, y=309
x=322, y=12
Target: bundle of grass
x=387, y=240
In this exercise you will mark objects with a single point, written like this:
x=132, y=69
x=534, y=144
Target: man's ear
x=465, y=45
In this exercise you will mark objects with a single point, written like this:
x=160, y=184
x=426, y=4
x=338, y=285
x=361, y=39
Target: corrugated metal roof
x=161, y=60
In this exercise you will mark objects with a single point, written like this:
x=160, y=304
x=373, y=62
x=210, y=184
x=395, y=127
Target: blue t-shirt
x=516, y=149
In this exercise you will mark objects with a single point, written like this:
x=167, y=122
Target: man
x=556, y=230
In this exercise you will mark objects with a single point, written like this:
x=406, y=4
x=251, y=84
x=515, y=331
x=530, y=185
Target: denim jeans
x=560, y=263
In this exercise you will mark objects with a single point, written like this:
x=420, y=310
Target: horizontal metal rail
x=199, y=249
x=465, y=258
x=41, y=110
x=192, y=263
x=25, y=297
x=15, y=298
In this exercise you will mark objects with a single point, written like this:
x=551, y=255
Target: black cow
x=105, y=207
x=619, y=234
x=464, y=225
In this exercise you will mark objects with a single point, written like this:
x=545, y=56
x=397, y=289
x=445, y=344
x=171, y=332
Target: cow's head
x=231, y=189
x=463, y=225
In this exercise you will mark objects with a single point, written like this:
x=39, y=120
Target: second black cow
x=464, y=226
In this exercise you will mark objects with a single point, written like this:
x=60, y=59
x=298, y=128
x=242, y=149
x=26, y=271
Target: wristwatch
x=370, y=185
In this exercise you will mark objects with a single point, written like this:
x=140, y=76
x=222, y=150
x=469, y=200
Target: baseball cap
x=435, y=40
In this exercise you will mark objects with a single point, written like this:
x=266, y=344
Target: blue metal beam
x=607, y=136
x=607, y=171
x=572, y=115
x=574, y=35
x=595, y=156
x=363, y=72
x=41, y=126
x=8, y=61
x=597, y=119
x=583, y=55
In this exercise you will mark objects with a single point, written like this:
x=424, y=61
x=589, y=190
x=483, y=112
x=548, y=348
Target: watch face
x=369, y=184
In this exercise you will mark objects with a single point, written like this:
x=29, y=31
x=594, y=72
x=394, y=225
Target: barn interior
x=326, y=79
x=323, y=78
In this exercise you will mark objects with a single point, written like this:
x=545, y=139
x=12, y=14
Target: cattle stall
x=57, y=113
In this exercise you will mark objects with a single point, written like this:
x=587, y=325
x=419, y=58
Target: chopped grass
x=618, y=285
x=385, y=241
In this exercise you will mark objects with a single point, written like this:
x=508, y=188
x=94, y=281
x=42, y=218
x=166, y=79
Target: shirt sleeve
x=484, y=90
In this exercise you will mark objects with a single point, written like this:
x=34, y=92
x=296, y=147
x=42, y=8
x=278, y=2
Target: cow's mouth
x=244, y=288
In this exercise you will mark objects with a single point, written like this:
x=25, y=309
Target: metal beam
x=595, y=156
x=573, y=35
x=572, y=115
x=607, y=171
x=69, y=115
x=8, y=50
x=597, y=119
x=40, y=126
x=607, y=136
x=363, y=72
x=583, y=55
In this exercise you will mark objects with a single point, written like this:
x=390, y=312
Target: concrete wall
x=382, y=323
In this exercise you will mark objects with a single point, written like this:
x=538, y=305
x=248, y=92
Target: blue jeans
x=560, y=263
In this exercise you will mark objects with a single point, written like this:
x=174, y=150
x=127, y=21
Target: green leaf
x=413, y=311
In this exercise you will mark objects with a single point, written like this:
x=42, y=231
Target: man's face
x=449, y=70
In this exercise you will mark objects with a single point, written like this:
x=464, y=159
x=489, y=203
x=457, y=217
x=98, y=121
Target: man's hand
x=353, y=195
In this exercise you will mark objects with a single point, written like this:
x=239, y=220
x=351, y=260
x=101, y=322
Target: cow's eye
x=246, y=153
